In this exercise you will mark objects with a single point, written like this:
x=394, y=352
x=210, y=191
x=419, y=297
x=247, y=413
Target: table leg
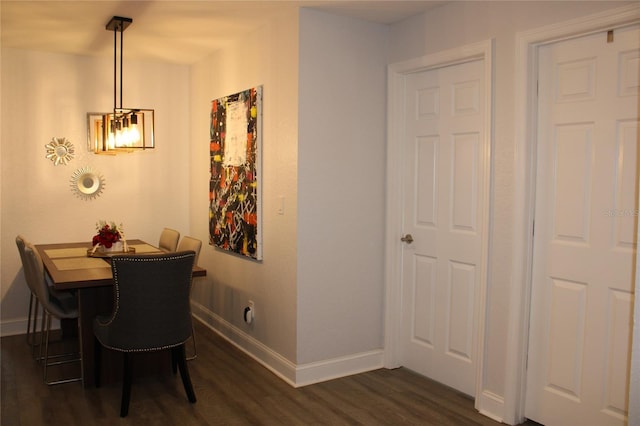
x=69, y=328
x=91, y=302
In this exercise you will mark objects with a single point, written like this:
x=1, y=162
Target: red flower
x=106, y=236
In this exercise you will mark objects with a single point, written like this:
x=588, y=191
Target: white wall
x=268, y=57
x=48, y=95
x=456, y=24
x=341, y=181
x=318, y=291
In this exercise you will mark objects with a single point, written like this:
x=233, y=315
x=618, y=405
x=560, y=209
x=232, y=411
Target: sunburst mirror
x=86, y=183
x=60, y=151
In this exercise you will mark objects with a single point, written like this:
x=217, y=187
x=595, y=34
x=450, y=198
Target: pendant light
x=123, y=129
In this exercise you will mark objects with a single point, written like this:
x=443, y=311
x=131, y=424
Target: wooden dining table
x=70, y=267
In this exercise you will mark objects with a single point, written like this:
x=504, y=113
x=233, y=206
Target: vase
x=115, y=248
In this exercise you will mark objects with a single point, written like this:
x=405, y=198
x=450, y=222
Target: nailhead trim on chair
x=145, y=349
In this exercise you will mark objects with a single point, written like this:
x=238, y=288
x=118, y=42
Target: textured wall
x=268, y=57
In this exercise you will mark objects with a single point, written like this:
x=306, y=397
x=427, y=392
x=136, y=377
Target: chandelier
x=122, y=129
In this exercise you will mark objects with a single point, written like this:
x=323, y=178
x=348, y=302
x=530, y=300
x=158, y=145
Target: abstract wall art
x=234, y=186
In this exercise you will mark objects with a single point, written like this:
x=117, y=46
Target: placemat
x=66, y=252
x=80, y=263
x=145, y=248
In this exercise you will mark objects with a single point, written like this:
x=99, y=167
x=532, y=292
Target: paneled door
x=585, y=228
x=445, y=205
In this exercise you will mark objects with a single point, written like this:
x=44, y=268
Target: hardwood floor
x=232, y=389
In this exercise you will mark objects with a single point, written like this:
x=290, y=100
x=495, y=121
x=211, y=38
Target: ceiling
x=174, y=31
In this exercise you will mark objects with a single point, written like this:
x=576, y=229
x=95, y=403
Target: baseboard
x=491, y=405
x=295, y=375
x=334, y=368
x=270, y=359
x=16, y=326
x=13, y=327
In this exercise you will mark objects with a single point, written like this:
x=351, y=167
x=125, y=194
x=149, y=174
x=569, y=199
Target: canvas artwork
x=234, y=187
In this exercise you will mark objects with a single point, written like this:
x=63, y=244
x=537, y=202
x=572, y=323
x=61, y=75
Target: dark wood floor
x=232, y=389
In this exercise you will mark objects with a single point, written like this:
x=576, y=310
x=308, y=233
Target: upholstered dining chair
x=151, y=312
x=169, y=240
x=190, y=243
x=34, y=305
x=51, y=308
x=66, y=299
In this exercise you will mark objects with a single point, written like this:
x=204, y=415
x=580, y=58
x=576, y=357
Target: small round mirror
x=86, y=183
x=60, y=151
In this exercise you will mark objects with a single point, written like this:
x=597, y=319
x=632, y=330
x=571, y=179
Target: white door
x=584, y=241
x=444, y=209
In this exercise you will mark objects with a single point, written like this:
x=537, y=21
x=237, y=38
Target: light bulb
x=134, y=134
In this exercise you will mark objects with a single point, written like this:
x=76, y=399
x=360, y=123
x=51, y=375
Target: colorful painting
x=234, y=190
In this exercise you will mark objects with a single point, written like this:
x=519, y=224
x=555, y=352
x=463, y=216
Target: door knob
x=407, y=239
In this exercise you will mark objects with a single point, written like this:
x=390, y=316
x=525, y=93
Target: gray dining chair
x=169, y=240
x=194, y=244
x=151, y=312
x=52, y=308
x=190, y=243
x=34, y=305
x=67, y=299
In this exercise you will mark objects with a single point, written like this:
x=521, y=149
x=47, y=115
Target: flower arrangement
x=109, y=234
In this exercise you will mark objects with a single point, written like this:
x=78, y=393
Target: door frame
x=396, y=75
x=527, y=45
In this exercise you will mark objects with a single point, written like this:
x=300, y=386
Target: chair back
x=22, y=243
x=151, y=308
x=169, y=240
x=35, y=274
x=190, y=243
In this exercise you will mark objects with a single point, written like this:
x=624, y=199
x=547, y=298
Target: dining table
x=72, y=266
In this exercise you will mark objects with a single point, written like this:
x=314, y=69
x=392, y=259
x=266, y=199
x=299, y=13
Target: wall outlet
x=249, y=312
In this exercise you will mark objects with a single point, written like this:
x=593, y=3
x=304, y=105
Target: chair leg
x=126, y=386
x=97, y=361
x=42, y=327
x=29, y=319
x=46, y=347
x=32, y=324
x=44, y=357
x=174, y=362
x=179, y=353
x=193, y=339
x=34, y=327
